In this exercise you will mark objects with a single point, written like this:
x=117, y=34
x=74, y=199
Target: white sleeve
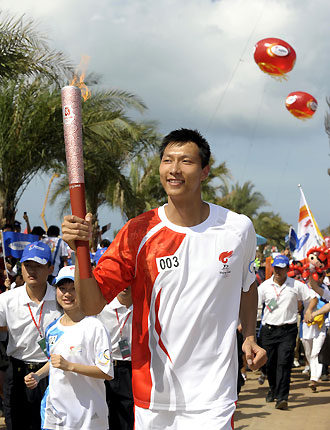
x=3, y=307
x=249, y=275
x=261, y=298
x=326, y=295
x=305, y=293
x=64, y=249
x=102, y=349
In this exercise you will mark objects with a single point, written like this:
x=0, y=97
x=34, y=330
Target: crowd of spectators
x=285, y=329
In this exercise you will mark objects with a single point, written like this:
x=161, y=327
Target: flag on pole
x=105, y=228
x=308, y=233
x=14, y=243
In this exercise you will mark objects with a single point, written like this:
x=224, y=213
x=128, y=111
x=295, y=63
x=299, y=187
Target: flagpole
x=309, y=213
x=4, y=254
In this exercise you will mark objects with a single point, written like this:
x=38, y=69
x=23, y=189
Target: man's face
x=280, y=274
x=181, y=171
x=35, y=274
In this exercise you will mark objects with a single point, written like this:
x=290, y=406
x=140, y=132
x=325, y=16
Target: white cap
x=66, y=272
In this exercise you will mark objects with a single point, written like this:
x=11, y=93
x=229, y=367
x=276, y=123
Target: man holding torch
x=190, y=267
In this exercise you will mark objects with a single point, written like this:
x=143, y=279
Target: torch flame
x=79, y=81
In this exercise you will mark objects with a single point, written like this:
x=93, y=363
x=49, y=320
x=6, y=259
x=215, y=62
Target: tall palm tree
x=272, y=227
x=217, y=173
x=24, y=51
x=145, y=184
x=242, y=199
x=30, y=136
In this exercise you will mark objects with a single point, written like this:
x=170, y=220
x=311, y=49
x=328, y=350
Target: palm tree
x=209, y=190
x=242, y=199
x=272, y=227
x=145, y=183
x=24, y=51
x=30, y=136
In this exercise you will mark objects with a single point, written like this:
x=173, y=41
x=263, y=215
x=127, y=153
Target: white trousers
x=210, y=419
x=312, y=348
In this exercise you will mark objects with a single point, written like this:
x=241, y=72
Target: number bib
x=167, y=263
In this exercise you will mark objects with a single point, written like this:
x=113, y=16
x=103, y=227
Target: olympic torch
x=72, y=124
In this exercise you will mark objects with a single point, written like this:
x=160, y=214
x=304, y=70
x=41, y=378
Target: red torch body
x=72, y=124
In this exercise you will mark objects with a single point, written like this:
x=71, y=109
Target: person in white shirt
x=281, y=294
x=79, y=348
x=313, y=335
x=323, y=292
x=26, y=312
x=117, y=318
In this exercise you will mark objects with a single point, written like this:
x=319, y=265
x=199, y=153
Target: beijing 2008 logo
x=68, y=114
x=223, y=257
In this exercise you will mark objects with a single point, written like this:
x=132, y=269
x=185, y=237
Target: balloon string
x=253, y=132
x=235, y=68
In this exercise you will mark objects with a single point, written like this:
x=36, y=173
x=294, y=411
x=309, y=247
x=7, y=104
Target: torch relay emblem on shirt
x=223, y=257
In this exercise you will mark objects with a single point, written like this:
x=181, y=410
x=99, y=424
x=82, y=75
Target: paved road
x=307, y=410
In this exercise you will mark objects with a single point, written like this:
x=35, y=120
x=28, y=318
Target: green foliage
x=272, y=227
x=209, y=188
x=23, y=51
x=326, y=231
x=145, y=182
x=31, y=137
x=241, y=199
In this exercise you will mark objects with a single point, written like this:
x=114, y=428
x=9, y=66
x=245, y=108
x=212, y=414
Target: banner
x=308, y=233
x=14, y=243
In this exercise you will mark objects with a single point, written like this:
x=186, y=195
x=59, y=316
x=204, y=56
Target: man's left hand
x=256, y=356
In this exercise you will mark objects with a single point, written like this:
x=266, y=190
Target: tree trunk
x=9, y=209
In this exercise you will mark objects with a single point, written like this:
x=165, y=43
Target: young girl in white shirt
x=79, y=348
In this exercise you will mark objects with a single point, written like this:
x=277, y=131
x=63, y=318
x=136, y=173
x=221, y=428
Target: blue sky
x=192, y=64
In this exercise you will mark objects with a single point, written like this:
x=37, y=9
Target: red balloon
x=274, y=56
x=301, y=105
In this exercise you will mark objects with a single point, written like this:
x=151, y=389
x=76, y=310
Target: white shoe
x=306, y=370
x=296, y=363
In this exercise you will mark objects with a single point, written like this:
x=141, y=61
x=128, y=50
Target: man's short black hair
x=53, y=231
x=39, y=231
x=105, y=243
x=183, y=136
